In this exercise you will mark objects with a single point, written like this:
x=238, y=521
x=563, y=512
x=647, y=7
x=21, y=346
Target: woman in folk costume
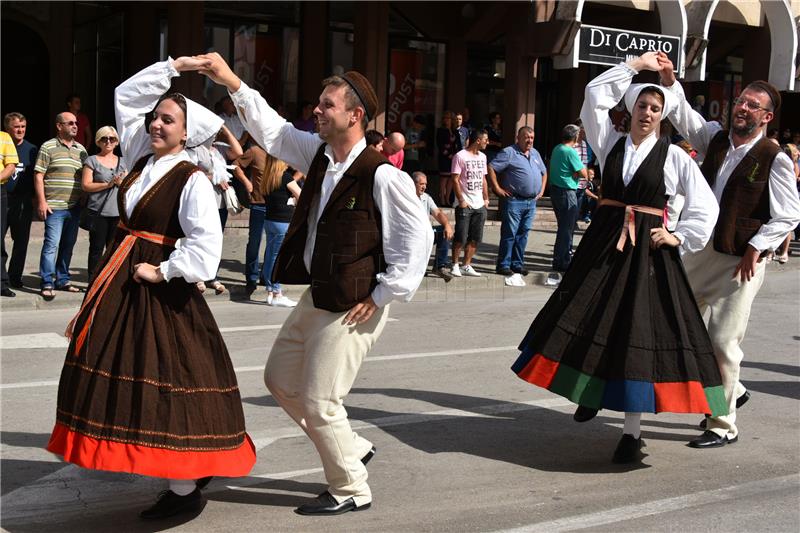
x=622, y=330
x=147, y=385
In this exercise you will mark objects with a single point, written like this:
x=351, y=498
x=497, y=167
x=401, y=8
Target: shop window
x=416, y=83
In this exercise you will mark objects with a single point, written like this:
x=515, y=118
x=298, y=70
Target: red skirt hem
x=99, y=454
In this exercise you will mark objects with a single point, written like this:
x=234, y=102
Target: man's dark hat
x=363, y=89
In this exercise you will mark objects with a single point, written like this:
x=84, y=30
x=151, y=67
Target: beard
x=747, y=130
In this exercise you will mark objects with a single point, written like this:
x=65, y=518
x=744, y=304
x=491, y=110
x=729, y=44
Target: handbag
x=88, y=216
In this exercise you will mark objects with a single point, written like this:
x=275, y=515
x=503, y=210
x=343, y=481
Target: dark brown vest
x=744, y=206
x=348, y=251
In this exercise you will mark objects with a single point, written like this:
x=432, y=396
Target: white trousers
x=310, y=371
x=729, y=301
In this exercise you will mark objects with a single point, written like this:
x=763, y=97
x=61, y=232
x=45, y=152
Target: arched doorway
x=26, y=69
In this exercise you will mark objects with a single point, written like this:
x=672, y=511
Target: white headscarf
x=632, y=94
x=201, y=124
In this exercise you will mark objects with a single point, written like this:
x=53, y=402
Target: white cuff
x=165, y=270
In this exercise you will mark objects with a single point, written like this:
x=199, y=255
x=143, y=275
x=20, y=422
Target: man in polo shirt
x=8, y=166
x=57, y=185
x=523, y=178
x=566, y=169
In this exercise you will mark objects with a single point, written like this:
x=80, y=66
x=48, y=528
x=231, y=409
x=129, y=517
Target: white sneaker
x=515, y=280
x=269, y=297
x=282, y=301
x=455, y=271
x=553, y=279
x=469, y=271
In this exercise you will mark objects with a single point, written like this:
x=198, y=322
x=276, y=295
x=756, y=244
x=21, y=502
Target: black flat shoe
x=584, y=414
x=170, y=504
x=504, y=271
x=368, y=456
x=325, y=505
x=203, y=482
x=740, y=401
x=629, y=450
x=7, y=292
x=521, y=271
x=709, y=439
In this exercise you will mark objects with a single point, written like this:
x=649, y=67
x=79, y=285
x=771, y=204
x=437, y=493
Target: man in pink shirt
x=472, y=199
x=393, y=149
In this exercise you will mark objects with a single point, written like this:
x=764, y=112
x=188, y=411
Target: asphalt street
x=463, y=444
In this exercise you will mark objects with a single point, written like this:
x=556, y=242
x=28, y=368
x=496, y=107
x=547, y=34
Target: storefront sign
x=609, y=46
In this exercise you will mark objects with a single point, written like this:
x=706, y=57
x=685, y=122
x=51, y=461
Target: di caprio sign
x=610, y=46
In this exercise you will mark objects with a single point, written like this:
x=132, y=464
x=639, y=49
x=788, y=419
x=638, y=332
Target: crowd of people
x=623, y=330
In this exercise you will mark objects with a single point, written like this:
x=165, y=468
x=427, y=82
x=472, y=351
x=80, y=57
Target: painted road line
x=260, y=368
x=33, y=340
x=667, y=505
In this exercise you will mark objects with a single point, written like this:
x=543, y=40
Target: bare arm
x=582, y=173
x=89, y=185
x=239, y=175
x=544, y=186
x=498, y=190
x=234, y=150
x=457, y=190
x=7, y=171
x=42, y=209
x=441, y=218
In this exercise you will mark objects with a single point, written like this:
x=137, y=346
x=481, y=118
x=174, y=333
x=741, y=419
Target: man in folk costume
x=360, y=240
x=754, y=184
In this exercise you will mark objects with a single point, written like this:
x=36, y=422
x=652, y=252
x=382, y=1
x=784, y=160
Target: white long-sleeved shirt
x=681, y=174
x=196, y=256
x=784, y=203
x=407, y=234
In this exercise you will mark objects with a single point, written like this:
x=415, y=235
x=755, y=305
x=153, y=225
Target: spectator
x=590, y=197
x=495, y=131
x=393, y=149
x=467, y=123
x=472, y=195
x=463, y=131
x=232, y=121
x=253, y=160
x=587, y=158
x=786, y=136
x=375, y=140
x=415, y=144
x=524, y=177
x=278, y=187
x=565, y=170
x=796, y=138
x=102, y=174
x=443, y=234
x=772, y=135
x=782, y=253
x=8, y=166
x=57, y=182
x=305, y=118
x=84, y=134
x=448, y=143
x=20, y=197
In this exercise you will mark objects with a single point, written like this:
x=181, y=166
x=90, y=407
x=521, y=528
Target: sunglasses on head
x=108, y=139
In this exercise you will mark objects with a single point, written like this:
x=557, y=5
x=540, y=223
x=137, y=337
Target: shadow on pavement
x=266, y=496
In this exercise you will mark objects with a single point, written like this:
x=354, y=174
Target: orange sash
x=103, y=279
x=629, y=224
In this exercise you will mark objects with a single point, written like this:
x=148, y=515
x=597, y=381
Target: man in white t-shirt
x=442, y=235
x=472, y=199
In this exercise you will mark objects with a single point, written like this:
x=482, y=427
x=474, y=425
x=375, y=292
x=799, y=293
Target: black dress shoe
x=15, y=284
x=584, y=414
x=368, y=456
x=521, y=271
x=504, y=271
x=170, y=504
x=709, y=439
x=629, y=450
x=740, y=401
x=326, y=505
x=203, y=482
x=7, y=292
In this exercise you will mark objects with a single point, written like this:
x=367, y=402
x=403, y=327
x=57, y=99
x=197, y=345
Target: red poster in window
x=267, y=67
x=405, y=69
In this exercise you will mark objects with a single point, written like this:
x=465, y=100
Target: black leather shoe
x=504, y=271
x=740, y=401
x=203, y=482
x=15, y=283
x=368, y=456
x=7, y=292
x=709, y=439
x=170, y=504
x=326, y=505
x=629, y=450
x=584, y=414
x=521, y=271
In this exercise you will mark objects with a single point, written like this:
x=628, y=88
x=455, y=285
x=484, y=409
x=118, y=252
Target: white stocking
x=182, y=487
x=632, y=425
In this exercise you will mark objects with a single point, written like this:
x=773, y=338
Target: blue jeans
x=275, y=234
x=565, y=205
x=517, y=216
x=256, y=229
x=60, y=234
x=442, y=257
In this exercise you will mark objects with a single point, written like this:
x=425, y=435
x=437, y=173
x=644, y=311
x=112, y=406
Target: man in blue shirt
x=523, y=178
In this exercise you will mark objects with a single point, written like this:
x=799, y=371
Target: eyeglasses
x=749, y=104
x=70, y=123
x=108, y=139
